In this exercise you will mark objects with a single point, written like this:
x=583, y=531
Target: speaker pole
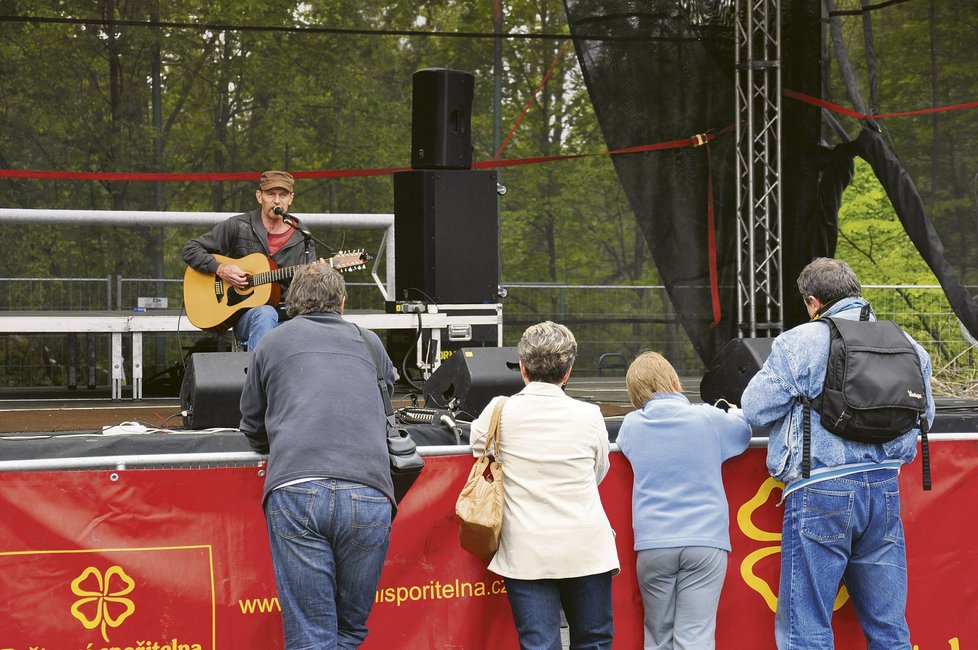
x=497, y=123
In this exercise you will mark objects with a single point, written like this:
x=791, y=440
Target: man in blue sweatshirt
x=311, y=402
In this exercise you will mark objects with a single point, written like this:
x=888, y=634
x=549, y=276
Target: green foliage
x=337, y=96
x=923, y=56
x=873, y=241
x=871, y=237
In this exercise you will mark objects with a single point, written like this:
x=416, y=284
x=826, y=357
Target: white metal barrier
x=434, y=319
x=207, y=219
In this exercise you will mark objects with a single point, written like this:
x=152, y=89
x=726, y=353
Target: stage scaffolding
x=757, y=33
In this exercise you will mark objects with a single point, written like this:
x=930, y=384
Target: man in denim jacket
x=843, y=522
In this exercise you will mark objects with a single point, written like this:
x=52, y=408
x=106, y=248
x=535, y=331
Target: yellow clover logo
x=749, y=529
x=101, y=601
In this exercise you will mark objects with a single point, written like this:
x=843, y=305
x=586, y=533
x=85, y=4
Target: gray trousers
x=680, y=592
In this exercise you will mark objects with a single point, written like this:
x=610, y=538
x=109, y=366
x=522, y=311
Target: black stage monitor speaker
x=733, y=368
x=446, y=241
x=470, y=378
x=211, y=391
x=441, y=119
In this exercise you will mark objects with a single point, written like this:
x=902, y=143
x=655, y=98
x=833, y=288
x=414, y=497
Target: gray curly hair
x=547, y=350
x=315, y=288
x=828, y=279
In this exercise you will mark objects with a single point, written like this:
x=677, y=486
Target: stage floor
x=55, y=411
x=62, y=411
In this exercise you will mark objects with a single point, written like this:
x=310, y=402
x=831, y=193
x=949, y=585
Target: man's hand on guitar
x=233, y=274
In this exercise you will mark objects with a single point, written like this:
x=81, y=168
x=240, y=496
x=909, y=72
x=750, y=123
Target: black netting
x=662, y=70
x=909, y=56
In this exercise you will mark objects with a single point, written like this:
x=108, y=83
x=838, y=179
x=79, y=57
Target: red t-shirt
x=276, y=242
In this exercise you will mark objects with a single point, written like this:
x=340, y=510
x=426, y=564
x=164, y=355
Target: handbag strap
x=382, y=385
x=492, y=436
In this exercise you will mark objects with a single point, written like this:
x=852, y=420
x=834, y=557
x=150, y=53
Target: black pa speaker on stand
x=211, y=391
x=446, y=236
x=441, y=119
x=470, y=378
x=733, y=368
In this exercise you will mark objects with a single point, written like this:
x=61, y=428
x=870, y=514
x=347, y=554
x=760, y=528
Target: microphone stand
x=294, y=224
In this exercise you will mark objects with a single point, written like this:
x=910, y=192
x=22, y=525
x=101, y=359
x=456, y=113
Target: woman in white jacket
x=557, y=548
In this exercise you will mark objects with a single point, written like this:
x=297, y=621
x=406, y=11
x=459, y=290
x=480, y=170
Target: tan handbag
x=479, y=507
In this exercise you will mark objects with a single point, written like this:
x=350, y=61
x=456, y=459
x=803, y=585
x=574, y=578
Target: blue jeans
x=845, y=529
x=329, y=539
x=256, y=323
x=586, y=602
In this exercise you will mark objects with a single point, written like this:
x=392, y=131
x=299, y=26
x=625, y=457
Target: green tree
x=873, y=241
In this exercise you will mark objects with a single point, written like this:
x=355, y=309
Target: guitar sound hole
x=234, y=297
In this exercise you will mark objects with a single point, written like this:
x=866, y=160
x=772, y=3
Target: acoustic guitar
x=214, y=304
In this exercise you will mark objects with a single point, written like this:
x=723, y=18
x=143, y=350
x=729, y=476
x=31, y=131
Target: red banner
x=177, y=559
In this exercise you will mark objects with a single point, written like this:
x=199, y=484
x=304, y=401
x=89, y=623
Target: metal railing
x=623, y=320
x=629, y=320
x=61, y=294
x=626, y=320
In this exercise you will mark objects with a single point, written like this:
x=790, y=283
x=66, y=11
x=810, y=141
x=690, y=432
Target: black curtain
x=662, y=70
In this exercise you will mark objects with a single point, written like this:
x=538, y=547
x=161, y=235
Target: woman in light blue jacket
x=679, y=507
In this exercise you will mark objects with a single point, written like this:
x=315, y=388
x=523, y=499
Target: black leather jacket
x=242, y=235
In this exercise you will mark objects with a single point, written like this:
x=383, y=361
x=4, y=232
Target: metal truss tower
x=757, y=34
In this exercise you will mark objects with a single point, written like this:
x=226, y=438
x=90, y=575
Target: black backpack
x=874, y=388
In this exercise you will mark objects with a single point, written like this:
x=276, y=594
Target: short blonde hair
x=650, y=373
x=547, y=350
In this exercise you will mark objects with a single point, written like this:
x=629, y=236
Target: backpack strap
x=864, y=312
x=924, y=451
x=806, y=443
x=806, y=438
x=810, y=403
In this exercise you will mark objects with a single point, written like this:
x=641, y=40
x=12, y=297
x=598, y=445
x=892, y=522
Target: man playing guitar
x=259, y=231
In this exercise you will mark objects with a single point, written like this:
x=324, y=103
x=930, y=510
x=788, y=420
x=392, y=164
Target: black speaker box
x=441, y=119
x=470, y=378
x=733, y=368
x=211, y=390
x=446, y=236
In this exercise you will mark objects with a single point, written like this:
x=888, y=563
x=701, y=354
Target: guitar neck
x=275, y=275
x=342, y=262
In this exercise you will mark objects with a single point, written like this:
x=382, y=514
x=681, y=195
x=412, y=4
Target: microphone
x=291, y=221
